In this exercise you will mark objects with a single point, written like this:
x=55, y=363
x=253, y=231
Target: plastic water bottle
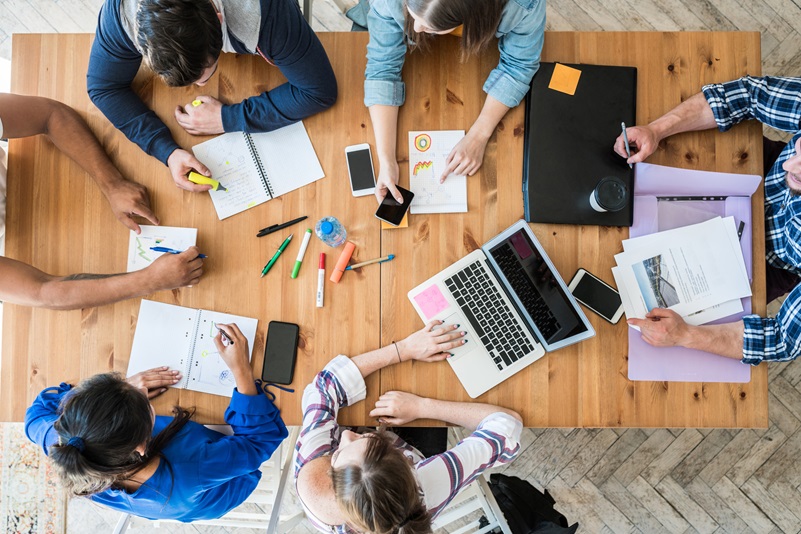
x=330, y=231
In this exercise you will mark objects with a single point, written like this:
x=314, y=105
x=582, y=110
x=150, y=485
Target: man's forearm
x=90, y=290
x=723, y=339
x=691, y=115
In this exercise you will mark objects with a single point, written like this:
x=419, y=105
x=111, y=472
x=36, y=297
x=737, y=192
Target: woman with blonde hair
x=375, y=481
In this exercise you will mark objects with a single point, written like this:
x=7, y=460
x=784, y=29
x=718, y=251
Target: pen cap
x=342, y=262
x=321, y=265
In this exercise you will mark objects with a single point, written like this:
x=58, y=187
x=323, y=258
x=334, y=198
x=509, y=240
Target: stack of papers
x=697, y=271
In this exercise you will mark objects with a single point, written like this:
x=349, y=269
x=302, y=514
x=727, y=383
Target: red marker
x=320, y=280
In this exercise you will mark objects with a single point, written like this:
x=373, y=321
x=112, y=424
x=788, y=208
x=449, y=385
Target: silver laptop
x=511, y=301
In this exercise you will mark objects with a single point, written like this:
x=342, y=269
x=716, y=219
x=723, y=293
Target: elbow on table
x=324, y=96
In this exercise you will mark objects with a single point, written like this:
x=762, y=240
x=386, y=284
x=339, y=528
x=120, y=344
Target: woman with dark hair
x=374, y=481
x=106, y=442
x=519, y=26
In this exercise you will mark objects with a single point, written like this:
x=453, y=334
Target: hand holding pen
x=170, y=271
x=636, y=143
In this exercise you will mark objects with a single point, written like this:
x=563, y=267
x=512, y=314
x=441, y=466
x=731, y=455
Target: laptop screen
x=537, y=288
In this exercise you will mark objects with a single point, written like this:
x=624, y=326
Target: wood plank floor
x=635, y=480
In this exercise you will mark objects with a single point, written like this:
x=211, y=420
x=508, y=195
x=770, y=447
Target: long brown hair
x=479, y=19
x=381, y=495
x=100, y=426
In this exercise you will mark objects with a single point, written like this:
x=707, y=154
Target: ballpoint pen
x=275, y=256
x=370, y=262
x=301, y=252
x=224, y=335
x=199, y=179
x=173, y=251
x=275, y=227
x=626, y=142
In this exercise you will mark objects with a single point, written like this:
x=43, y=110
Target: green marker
x=301, y=252
x=275, y=256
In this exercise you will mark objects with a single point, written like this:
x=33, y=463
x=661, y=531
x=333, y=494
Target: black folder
x=568, y=144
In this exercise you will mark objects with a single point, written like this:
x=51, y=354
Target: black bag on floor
x=527, y=509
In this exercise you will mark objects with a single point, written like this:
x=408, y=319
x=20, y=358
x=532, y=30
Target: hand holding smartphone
x=597, y=295
x=392, y=212
x=280, y=352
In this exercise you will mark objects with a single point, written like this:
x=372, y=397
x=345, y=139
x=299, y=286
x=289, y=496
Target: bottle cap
x=326, y=227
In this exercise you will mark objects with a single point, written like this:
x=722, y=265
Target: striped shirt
x=496, y=441
x=776, y=102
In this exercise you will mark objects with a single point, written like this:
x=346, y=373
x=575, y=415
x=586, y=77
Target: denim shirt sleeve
x=386, y=52
x=520, y=38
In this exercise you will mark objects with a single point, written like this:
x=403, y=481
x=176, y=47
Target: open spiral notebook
x=183, y=339
x=257, y=167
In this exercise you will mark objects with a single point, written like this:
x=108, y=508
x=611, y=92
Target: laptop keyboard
x=489, y=315
x=528, y=294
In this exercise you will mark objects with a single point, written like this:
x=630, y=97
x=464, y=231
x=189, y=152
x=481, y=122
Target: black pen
x=740, y=231
x=226, y=336
x=275, y=227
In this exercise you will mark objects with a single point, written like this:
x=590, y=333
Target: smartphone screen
x=360, y=166
x=597, y=295
x=391, y=211
x=280, y=352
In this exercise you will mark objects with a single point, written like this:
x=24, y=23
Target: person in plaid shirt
x=775, y=102
x=375, y=481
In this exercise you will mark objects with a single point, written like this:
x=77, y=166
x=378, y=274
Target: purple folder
x=654, y=185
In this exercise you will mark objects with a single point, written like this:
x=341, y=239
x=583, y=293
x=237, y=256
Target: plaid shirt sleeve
x=496, y=441
x=339, y=384
x=771, y=100
x=777, y=340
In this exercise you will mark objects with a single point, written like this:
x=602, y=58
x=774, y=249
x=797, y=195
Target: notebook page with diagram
x=139, y=253
x=428, y=152
x=256, y=167
x=183, y=339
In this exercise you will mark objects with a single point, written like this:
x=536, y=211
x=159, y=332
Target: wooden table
x=60, y=223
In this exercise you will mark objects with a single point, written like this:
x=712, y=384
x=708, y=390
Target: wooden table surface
x=60, y=223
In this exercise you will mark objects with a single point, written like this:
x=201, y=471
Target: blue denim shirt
x=520, y=37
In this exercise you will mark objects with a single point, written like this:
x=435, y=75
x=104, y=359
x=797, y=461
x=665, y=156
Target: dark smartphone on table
x=280, y=352
x=392, y=212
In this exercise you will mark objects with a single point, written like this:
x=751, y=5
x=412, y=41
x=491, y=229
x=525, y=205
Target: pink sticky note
x=431, y=301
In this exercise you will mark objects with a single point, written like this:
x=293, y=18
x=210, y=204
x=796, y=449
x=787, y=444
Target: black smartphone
x=392, y=212
x=280, y=352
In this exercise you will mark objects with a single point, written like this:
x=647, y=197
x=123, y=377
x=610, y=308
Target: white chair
x=464, y=507
x=267, y=496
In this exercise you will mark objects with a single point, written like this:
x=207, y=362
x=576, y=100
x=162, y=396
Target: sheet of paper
x=230, y=162
x=183, y=339
x=688, y=270
x=427, y=154
x=564, y=79
x=139, y=253
x=288, y=158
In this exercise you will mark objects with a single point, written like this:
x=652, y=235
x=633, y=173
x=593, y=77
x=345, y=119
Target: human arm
x=665, y=328
x=154, y=381
x=287, y=41
x=41, y=415
x=24, y=116
x=467, y=156
x=24, y=284
x=256, y=422
x=691, y=115
x=385, y=129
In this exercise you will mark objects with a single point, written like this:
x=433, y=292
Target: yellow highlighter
x=196, y=103
x=205, y=180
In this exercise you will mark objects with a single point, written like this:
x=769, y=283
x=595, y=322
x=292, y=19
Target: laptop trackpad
x=472, y=343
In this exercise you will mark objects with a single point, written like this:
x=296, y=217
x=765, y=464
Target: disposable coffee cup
x=611, y=194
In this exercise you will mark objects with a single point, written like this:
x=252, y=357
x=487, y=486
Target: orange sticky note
x=403, y=224
x=564, y=79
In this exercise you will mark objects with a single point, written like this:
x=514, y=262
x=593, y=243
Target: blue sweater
x=208, y=473
x=285, y=40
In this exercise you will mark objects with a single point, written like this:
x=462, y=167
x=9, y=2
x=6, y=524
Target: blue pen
x=370, y=262
x=173, y=251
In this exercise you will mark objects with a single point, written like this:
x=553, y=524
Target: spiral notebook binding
x=265, y=179
x=195, y=328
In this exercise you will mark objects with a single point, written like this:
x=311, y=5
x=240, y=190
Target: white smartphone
x=360, y=169
x=597, y=295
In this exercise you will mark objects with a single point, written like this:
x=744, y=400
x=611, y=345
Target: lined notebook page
x=288, y=157
x=230, y=162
